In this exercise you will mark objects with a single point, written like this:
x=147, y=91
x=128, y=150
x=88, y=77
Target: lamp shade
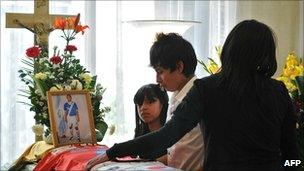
x=166, y=26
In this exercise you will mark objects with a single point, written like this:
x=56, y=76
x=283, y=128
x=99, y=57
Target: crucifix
x=39, y=23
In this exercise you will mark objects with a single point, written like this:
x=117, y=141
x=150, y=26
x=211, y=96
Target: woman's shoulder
x=279, y=85
x=209, y=80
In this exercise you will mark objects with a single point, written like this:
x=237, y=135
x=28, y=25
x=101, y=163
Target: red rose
x=33, y=52
x=70, y=48
x=56, y=60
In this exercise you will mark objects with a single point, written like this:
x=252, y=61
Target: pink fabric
x=69, y=158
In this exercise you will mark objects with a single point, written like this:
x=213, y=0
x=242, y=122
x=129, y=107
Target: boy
x=174, y=60
x=72, y=116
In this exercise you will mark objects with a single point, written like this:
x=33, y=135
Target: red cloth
x=69, y=158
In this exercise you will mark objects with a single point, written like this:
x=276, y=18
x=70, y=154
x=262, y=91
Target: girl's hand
x=99, y=159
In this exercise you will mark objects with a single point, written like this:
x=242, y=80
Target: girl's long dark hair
x=248, y=62
x=152, y=92
x=248, y=57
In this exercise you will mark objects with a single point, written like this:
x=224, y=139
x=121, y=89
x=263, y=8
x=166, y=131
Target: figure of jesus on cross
x=39, y=23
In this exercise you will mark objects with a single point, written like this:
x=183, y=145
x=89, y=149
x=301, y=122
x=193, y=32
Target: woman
x=247, y=117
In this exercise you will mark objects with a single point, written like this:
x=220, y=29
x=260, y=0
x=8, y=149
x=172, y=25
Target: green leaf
x=24, y=103
x=25, y=91
x=41, y=86
x=28, y=63
x=28, y=70
x=93, y=82
x=102, y=127
x=204, y=66
x=22, y=95
x=22, y=75
x=300, y=83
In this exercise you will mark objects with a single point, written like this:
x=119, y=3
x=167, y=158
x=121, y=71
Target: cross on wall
x=39, y=23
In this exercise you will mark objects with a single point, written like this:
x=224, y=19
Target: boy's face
x=69, y=98
x=170, y=80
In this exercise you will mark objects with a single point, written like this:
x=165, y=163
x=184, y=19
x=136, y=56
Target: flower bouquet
x=293, y=78
x=58, y=73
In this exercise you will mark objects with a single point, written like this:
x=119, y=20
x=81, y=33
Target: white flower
x=73, y=84
x=87, y=78
x=56, y=88
x=45, y=115
x=53, y=88
x=67, y=87
x=79, y=86
x=76, y=83
x=38, y=129
x=38, y=92
x=42, y=98
x=98, y=86
x=41, y=76
x=60, y=70
x=41, y=103
x=56, y=66
x=51, y=76
x=41, y=60
x=44, y=108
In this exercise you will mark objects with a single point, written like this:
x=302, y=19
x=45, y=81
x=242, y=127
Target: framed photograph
x=71, y=117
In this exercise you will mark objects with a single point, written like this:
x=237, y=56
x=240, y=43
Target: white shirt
x=187, y=153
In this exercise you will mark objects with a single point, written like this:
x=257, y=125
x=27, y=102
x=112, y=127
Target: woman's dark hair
x=248, y=57
x=169, y=49
x=152, y=92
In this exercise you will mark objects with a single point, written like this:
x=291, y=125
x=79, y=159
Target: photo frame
x=71, y=117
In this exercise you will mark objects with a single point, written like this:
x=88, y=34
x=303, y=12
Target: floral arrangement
x=58, y=73
x=293, y=78
x=212, y=67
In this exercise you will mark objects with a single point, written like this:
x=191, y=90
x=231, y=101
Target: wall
x=284, y=17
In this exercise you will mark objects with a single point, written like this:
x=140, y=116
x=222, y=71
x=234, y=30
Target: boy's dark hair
x=152, y=92
x=169, y=49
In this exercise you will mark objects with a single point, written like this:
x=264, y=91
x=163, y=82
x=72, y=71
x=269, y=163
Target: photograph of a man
x=72, y=116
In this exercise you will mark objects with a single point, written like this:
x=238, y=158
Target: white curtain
x=216, y=17
x=16, y=119
x=111, y=49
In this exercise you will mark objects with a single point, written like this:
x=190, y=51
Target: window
x=112, y=49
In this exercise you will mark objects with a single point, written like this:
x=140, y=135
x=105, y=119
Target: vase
x=38, y=130
x=38, y=137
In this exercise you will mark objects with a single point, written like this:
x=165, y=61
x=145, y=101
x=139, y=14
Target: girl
x=151, y=104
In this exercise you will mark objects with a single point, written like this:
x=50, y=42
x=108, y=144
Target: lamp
x=166, y=26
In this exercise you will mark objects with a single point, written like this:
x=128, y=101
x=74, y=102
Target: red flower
x=70, y=48
x=33, y=52
x=56, y=59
